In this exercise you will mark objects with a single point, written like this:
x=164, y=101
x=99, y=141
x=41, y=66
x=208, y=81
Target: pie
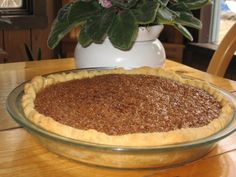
x=139, y=107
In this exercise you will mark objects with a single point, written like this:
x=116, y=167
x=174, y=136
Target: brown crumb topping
x=119, y=104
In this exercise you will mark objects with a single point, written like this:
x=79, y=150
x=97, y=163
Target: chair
x=224, y=53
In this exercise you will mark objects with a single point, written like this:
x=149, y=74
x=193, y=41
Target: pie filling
x=119, y=104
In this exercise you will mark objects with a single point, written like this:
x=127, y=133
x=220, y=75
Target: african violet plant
x=119, y=19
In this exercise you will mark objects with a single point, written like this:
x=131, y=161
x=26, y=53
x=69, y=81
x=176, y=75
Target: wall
x=12, y=40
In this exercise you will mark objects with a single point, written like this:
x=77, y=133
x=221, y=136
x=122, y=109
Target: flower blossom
x=105, y=3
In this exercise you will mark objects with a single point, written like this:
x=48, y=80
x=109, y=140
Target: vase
x=147, y=50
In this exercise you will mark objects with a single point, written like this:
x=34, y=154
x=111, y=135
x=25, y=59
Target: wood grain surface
x=1, y=39
x=39, y=37
x=21, y=155
x=14, y=45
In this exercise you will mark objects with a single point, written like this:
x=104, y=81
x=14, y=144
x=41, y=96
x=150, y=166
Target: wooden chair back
x=224, y=53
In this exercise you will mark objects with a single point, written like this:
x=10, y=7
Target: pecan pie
x=138, y=107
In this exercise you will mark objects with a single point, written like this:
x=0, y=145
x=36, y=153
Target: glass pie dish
x=118, y=156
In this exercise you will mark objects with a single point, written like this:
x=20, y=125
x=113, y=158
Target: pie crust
x=135, y=139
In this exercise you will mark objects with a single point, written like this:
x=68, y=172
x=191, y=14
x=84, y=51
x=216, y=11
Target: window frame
x=204, y=34
x=26, y=9
x=210, y=32
x=32, y=15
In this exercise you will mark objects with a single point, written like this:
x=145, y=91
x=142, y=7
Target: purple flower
x=105, y=3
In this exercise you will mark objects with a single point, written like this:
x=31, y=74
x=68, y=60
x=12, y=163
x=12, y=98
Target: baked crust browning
x=134, y=139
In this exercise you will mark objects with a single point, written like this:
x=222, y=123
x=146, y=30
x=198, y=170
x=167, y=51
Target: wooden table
x=21, y=155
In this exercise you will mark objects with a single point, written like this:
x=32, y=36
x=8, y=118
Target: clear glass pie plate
x=115, y=156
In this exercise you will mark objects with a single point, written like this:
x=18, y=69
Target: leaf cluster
x=120, y=22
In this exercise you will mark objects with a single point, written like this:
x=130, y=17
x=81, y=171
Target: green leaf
x=123, y=30
x=187, y=19
x=146, y=13
x=165, y=15
x=193, y=4
x=39, y=54
x=84, y=39
x=5, y=20
x=98, y=26
x=124, y=4
x=82, y=10
x=64, y=12
x=164, y=2
x=179, y=7
x=28, y=51
x=70, y=16
x=184, y=31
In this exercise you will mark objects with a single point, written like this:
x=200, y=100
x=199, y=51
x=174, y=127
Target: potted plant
x=117, y=22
